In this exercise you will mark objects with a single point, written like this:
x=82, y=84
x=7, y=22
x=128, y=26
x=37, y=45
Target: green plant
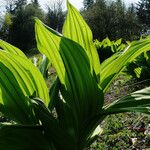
x=68, y=116
x=107, y=48
x=140, y=67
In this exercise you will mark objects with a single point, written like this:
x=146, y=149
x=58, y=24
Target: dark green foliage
x=18, y=25
x=4, y=30
x=112, y=19
x=55, y=16
x=88, y=3
x=140, y=67
x=13, y=6
x=94, y=16
x=107, y=48
x=143, y=12
x=21, y=32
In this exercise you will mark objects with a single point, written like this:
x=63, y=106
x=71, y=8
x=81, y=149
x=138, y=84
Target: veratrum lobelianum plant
x=67, y=116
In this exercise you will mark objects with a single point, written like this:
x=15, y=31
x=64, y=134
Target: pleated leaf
x=43, y=38
x=19, y=79
x=17, y=137
x=109, y=71
x=81, y=93
x=76, y=29
x=109, y=60
x=52, y=129
x=11, y=49
x=138, y=101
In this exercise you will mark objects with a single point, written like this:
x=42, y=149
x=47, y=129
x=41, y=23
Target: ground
x=127, y=131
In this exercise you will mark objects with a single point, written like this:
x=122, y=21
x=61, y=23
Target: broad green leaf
x=17, y=137
x=81, y=93
x=11, y=49
x=76, y=29
x=111, y=70
x=138, y=101
x=74, y=70
x=109, y=60
x=52, y=129
x=48, y=44
x=19, y=79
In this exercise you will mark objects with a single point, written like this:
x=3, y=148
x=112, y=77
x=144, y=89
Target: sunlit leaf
x=81, y=95
x=76, y=29
x=19, y=79
x=11, y=49
x=111, y=70
x=138, y=101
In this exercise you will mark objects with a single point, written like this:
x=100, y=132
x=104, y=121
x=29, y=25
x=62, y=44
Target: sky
x=79, y=3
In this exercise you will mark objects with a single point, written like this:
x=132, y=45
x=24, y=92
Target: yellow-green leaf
x=19, y=79
x=76, y=29
x=50, y=49
x=81, y=96
x=11, y=49
x=109, y=71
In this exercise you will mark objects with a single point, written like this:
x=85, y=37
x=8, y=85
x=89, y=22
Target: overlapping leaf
x=19, y=79
x=81, y=92
x=43, y=37
x=138, y=101
x=111, y=70
x=109, y=60
x=11, y=49
x=52, y=128
x=76, y=29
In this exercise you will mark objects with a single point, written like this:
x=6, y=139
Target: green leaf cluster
x=68, y=116
x=107, y=48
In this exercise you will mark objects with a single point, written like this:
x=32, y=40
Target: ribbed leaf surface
x=138, y=101
x=109, y=60
x=19, y=78
x=81, y=93
x=109, y=71
x=50, y=49
x=52, y=129
x=75, y=28
x=11, y=49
